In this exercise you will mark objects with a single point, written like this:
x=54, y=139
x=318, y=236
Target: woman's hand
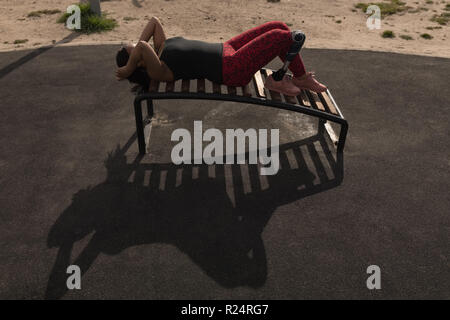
x=122, y=73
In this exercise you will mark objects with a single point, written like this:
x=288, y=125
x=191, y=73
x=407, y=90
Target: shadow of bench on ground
x=215, y=214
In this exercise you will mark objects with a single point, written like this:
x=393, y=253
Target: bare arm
x=154, y=28
x=145, y=53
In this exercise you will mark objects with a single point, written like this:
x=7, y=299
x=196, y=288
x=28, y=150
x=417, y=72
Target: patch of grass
x=447, y=7
x=90, y=22
x=432, y=28
x=33, y=14
x=442, y=19
x=19, y=41
x=41, y=12
x=129, y=18
x=426, y=36
x=406, y=37
x=387, y=8
x=289, y=24
x=429, y=2
x=338, y=21
x=388, y=34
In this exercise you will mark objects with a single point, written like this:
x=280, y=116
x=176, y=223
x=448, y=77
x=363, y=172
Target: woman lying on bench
x=232, y=63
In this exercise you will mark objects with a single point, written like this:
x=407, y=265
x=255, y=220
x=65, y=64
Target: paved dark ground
x=144, y=228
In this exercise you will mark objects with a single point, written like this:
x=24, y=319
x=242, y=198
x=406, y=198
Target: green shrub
x=386, y=8
x=426, y=36
x=406, y=37
x=442, y=19
x=388, y=34
x=18, y=41
x=90, y=22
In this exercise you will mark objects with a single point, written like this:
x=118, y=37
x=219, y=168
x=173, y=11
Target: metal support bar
x=236, y=98
x=139, y=125
x=342, y=137
x=321, y=126
x=150, y=108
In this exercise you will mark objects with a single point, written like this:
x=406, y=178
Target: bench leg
x=139, y=126
x=321, y=126
x=342, y=137
x=340, y=142
x=150, y=109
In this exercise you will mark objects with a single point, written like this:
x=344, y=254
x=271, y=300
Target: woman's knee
x=281, y=36
x=154, y=19
x=279, y=25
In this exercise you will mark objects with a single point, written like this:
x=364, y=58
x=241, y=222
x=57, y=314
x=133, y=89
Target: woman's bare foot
x=307, y=81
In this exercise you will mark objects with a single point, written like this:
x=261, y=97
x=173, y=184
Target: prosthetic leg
x=299, y=39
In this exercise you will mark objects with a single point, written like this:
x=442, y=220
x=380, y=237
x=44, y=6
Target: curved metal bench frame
x=317, y=102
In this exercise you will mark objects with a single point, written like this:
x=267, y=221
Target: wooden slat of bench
x=208, y=86
x=328, y=102
x=259, y=85
x=321, y=101
x=201, y=85
x=185, y=84
x=275, y=95
x=303, y=99
x=317, y=100
x=154, y=85
x=231, y=90
x=170, y=85
x=216, y=88
x=310, y=98
x=246, y=91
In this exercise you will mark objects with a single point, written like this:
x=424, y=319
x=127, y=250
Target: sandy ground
x=214, y=20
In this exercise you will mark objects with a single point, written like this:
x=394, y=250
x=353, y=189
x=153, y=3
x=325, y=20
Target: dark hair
x=139, y=76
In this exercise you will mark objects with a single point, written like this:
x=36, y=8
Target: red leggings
x=248, y=52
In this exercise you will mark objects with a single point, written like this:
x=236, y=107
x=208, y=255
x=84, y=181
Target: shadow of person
x=183, y=206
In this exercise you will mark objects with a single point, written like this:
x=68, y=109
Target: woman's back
x=193, y=59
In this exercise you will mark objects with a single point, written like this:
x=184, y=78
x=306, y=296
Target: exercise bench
x=320, y=105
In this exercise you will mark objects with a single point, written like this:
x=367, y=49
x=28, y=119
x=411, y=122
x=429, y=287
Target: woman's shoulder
x=175, y=38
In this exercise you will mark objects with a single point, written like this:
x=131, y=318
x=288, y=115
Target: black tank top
x=193, y=59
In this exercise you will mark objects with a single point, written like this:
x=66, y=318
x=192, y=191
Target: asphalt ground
x=74, y=191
